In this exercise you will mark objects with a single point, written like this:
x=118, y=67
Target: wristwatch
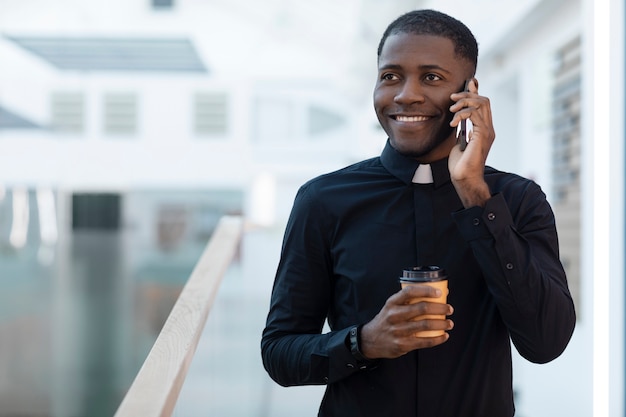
x=354, y=337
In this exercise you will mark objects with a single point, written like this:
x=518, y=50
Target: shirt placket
x=424, y=224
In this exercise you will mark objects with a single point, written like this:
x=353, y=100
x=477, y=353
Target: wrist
x=472, y=194
x=354, y=343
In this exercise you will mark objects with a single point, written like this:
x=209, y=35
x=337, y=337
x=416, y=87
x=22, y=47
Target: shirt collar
x=403, y=167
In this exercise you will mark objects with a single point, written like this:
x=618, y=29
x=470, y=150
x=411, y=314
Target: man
x=424, y=201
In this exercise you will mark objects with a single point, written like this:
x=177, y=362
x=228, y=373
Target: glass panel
x=85, y=295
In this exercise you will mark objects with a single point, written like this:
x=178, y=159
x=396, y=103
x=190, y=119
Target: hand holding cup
x=432, y=276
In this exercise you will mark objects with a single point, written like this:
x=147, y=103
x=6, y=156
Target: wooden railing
x=156, y=387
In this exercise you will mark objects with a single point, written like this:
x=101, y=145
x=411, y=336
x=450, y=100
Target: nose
x=410, y=92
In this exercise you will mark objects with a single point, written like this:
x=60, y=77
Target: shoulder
x=330, y=195
x=510, y=183
x=524, y=196
x=345, y=177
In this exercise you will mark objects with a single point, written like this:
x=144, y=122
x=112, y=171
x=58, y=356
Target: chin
x=425, y=152
x=408, y=147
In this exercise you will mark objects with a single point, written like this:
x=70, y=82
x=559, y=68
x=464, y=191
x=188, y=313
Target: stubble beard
x=443, y=134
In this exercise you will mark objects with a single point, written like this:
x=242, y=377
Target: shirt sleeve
x=293, y=348
x=519, y=257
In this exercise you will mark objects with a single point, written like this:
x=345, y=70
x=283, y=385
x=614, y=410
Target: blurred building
x=194, y=93
x=126, y=130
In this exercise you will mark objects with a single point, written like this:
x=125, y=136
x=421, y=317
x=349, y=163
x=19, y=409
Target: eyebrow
x=431, y=67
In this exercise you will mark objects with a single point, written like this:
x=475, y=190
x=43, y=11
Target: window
x=566, y=120
x=96, y=211
x=120, y=114
x=566, y=134
x=162, y=4
x=68, y=112
x=211, y=114
x=322, y=120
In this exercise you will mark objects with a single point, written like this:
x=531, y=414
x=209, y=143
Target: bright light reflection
x=263, y=200
x=47, y=217
x=19, y=228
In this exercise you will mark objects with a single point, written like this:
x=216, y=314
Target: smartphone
x=464, y=128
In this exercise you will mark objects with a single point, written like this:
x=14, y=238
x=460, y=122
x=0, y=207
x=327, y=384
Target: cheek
x=443, y=99
x=444, y=102
x=381, y=98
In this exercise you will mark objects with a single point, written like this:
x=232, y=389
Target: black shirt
x=350, y=234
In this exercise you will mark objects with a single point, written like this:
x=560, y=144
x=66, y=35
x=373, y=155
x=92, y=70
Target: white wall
x=603, y=209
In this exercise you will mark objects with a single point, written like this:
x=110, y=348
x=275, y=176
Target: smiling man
x=422, y=202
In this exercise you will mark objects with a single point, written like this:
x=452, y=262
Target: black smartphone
x=464, y=127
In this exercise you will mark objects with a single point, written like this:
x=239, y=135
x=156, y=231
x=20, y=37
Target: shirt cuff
x=484, y=222
x=342, y=362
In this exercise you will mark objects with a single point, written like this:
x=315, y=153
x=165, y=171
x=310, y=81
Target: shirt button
x=476, y=222
x=491, y=216
x=509, y=266
x=326, y=379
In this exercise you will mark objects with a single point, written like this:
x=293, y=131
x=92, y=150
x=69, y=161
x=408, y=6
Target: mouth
x=409, y=119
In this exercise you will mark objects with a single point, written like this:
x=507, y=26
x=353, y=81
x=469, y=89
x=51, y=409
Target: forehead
x=413, y=49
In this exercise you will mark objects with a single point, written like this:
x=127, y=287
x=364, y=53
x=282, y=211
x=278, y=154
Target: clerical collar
x=423, y=174
x=404, y=167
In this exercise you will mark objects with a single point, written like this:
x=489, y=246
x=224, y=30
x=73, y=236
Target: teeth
x=411, y=118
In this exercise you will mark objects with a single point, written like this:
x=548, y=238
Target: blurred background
x=129, y=127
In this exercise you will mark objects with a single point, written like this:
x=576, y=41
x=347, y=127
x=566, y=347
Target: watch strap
x=355, y=347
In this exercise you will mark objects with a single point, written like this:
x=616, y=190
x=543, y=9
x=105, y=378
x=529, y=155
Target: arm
x=519, y=257
x=467, y=167
x=516, y=247
x=293, y=349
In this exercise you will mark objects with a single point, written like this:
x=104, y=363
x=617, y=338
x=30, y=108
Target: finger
x=473, y=85
x=427, y=342
x=430, y=325
x=478, y=112
x=404, y=337
x=426, y=338
x=472, y=90
x=423, y=308
x=463, y=113
x=472, y=103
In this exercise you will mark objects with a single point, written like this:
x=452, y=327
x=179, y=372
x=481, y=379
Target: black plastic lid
x=423, y=274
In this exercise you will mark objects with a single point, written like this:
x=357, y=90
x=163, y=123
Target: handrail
x=156, y=387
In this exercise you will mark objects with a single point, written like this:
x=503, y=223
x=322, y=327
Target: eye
x=388, y=76
x=432, y=77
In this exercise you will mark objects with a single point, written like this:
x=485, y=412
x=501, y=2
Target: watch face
x=355, y=348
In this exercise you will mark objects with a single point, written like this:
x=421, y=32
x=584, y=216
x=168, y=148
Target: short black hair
x=432, y=22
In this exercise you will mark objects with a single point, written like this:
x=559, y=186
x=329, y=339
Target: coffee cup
x=433, y=276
